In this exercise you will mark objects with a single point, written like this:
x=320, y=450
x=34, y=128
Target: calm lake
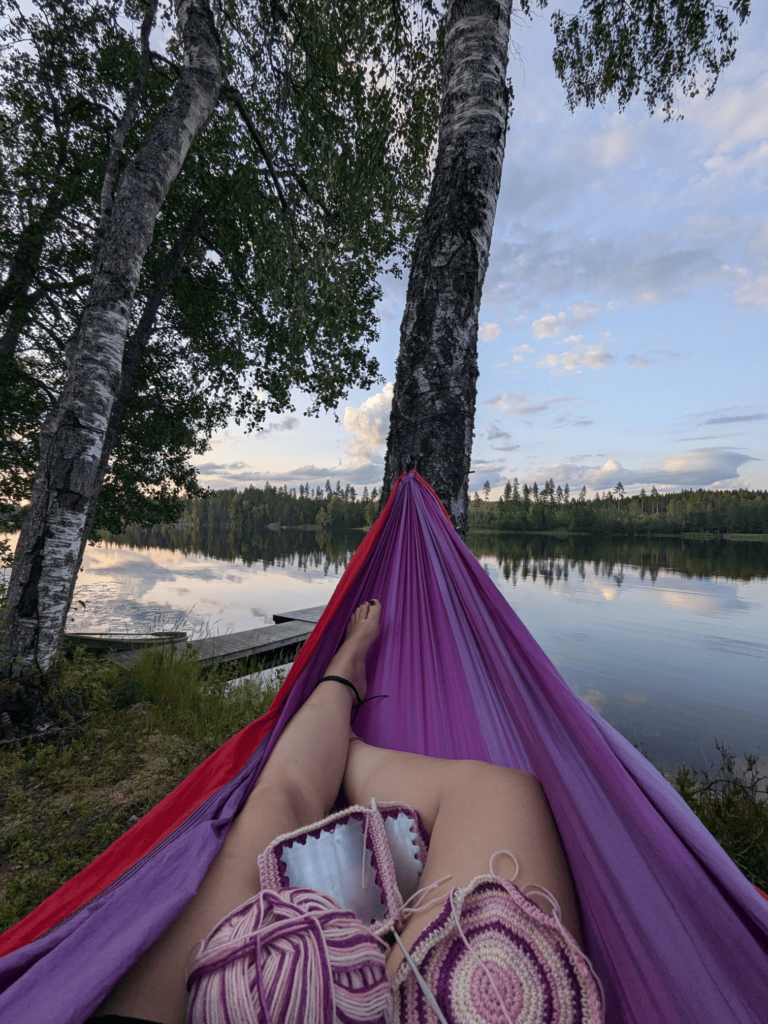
x=667, y=639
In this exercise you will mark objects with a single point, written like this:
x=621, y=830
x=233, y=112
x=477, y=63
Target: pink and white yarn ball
x=290, y=957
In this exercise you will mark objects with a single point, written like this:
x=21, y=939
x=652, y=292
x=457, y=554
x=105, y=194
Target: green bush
x=731, y=801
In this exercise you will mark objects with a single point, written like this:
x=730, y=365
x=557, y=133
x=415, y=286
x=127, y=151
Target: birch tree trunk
x=72, y=442
x=433, y=409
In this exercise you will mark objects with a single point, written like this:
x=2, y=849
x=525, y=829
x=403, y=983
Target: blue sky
x=625, y=311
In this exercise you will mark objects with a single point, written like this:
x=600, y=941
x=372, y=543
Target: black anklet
x=344, y=682
x=353, y=688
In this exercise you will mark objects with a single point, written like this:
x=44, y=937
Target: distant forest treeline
x=535, y=508
x=519, y=509
x=339, y=508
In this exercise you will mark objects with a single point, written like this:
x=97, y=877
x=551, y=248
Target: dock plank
x=250, y=643
x=302, y=615
x=262, y=642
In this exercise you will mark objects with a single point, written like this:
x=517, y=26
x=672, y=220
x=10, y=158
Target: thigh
x=155, y=987
x=484, y=809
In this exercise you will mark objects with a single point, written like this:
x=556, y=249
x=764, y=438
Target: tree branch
x=234, y=96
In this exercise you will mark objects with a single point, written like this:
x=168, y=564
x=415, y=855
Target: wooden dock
x=266, y=645
x=302, y=615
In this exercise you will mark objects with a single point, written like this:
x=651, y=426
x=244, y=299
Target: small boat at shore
x=116, y=641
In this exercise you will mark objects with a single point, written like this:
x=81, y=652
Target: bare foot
x=349, y=660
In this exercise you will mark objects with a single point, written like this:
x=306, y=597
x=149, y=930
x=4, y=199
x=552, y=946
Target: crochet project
x=369, y=859
x=493, y=956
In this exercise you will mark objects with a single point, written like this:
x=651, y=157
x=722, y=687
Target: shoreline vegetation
x=545, y=509
x=132, y=735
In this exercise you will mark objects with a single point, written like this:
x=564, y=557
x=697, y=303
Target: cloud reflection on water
x=665, y=638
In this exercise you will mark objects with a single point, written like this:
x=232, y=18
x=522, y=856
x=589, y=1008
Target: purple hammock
x=676, y=933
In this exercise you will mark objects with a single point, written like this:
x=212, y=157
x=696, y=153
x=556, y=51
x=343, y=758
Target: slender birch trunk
x=137, y=343
x=433, y=409
x=73, y=438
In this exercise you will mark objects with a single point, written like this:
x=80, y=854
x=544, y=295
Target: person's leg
x=472, y=809
x=297, y=786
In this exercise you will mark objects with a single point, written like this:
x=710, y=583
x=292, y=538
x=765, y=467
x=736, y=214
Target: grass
x=137, y=733
x=135, y=736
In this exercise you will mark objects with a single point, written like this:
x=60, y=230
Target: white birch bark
x=124, y=125
x=433, y=409
x=67, y=484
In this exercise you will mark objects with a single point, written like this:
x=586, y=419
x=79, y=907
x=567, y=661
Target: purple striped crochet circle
x=513, y=951
x=290, y=957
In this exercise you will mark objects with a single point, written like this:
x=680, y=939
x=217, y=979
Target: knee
x=291, y=801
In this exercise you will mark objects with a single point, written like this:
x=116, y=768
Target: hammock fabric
x=675, y=931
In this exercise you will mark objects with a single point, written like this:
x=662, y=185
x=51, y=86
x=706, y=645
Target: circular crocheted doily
x=513, y=952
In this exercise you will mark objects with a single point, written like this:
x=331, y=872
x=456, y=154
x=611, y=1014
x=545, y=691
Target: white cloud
x=645, y=266
x=241, y=474
x=483, y=469
x=752, y=291
x=637, y=362
x=520, y=403
x=737, y=123
x=369, y=426
x=549, y=325
x=488, y=331
x=581, y=312
x=589, y=357
x=519, y=352
x=699, y=467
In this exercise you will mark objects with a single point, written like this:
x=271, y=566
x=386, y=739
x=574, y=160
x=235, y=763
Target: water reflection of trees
x=518, y=556
x=297, y=549
x=554, y=559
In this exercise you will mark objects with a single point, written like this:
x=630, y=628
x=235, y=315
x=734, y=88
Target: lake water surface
x=666, y=638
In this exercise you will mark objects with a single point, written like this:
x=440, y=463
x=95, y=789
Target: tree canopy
x=262, y=277
x=648, y=48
